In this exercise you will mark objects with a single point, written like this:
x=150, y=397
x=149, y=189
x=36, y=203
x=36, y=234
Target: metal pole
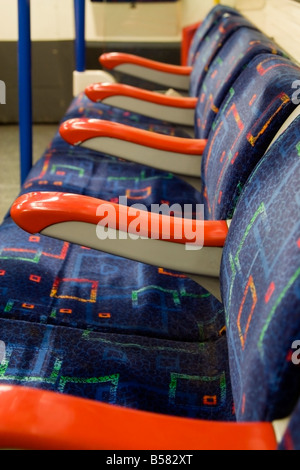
x=79, y=8
x=24, y=86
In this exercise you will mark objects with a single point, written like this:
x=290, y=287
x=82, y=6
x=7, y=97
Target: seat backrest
x=211, y=45
x=233, y=57
x=257, y=105
x=208, y=23
x=260, y=276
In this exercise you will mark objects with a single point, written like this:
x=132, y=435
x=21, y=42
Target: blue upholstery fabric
x=232, y=58
x=257, y=105
x=291, y=438
x=261, y=285
x=211, y=19
x=128, y=370
x=97, y=326
x=210, y=47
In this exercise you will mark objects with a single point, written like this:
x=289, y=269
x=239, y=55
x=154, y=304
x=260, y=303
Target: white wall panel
x=54, y=20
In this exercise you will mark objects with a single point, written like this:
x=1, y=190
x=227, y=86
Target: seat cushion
x=82, y=322
x=232, y=58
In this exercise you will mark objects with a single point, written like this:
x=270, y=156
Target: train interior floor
x=10, y=154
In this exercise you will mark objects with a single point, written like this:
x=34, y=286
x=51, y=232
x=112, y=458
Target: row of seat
x=193, y=338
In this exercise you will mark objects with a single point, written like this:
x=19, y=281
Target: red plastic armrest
x=100, y=91
x=34, y=212
x=76, y=131
x=32, y=419
x=112, y=60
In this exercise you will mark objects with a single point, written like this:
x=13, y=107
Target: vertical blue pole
x=79, y=8
x=24, y=85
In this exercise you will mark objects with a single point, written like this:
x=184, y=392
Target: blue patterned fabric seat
x=141, y=363
x=260, y=277
x=208, y=49
x=258, y=103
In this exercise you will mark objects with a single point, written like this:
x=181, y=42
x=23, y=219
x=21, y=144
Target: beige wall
x=146, y=22
x=50, y=20
x=53, y=20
